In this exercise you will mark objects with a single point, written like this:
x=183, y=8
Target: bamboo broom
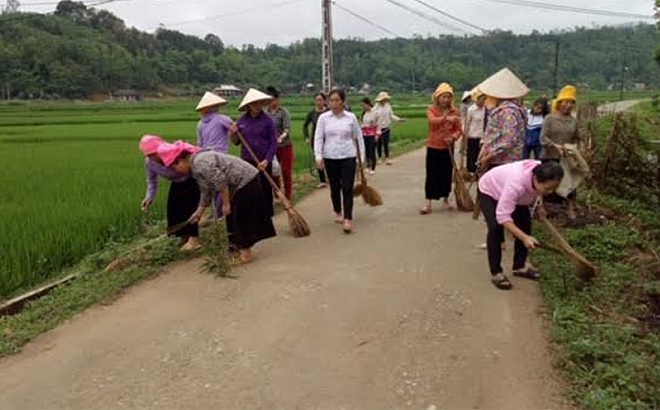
x=585, y=269
x=297, y=223
x=369, y=194
x=463, y=199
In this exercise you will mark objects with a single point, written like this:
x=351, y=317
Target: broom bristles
x=463, y=199
x=371, y=196
x=358, y=189
x=298, y=224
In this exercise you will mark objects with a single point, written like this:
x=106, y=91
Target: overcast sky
x=260, y=22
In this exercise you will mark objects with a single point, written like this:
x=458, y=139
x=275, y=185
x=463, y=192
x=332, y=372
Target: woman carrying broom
x=259, y=131
x=444, y=129
x=506, y=193
x=337, y=133
x=248, y=216
x=182, y=199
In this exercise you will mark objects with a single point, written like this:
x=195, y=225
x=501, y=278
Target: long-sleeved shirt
x=282, y=120
x=261, y=134
x=213, y=132
x=474, y=122
x=215, y=171
x=385, y=115
x=336, y=136
x=534, y=126
x=510, y=185
x=558, y=129
x=311, y=119
x=369, y=124
x=155, y=169
x=504, y=138
x=443, y=125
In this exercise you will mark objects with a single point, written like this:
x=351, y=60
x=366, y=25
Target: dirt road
x=620, y=106
x=401, y=314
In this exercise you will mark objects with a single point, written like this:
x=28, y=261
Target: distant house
x=126, y=95
x=640, y=86
x=228, y=90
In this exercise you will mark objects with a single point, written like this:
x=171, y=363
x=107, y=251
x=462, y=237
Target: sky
x=261, y=22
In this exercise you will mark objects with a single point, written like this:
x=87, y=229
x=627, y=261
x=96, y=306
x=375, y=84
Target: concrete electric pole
x=327, y=54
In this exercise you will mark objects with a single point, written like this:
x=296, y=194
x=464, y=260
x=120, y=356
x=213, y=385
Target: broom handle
x=278, y=192
x=359, y=158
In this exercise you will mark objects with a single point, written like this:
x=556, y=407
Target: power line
x=366, y=20
x=26, y=16
x=444, y=13
x=573, y=9
x=427, y=17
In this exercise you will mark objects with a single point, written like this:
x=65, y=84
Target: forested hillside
x=80, y=51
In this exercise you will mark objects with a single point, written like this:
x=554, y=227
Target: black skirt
x=250, y=219
x=182, y=202
x=439, y=171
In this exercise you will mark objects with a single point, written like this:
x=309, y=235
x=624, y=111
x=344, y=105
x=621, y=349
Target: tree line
x=80, y=51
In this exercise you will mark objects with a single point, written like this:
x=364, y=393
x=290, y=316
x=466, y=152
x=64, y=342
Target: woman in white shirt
x=337, y=133
x=384, y=117
x=474, y=131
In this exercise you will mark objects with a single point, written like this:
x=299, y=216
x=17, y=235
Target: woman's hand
x=263, y=165
x=561, y=149
x=194, y=218
x=320, y=165
x=233, y=129
x=530, y=242
x=226, y=208
x=145, y=204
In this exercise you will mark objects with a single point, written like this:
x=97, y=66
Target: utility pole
x=556, y=73
x=326, y=44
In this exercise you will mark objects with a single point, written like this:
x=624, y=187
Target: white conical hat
x=466, y=94
x=251, y=96
x=383, y=96
x=504, y=85
x=210, y=100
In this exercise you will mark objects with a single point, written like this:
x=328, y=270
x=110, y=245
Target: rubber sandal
x=501, y=282
x=529, y=273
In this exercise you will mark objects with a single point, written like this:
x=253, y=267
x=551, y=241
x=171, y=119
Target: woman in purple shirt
x=182, y=199
x=258, y=129
x=213, y=132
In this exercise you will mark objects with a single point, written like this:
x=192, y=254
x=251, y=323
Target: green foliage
x=82, y=51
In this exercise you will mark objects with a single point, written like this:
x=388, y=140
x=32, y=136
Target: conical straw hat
x=383, y=96
x=466, y=94
x=210, y=100
x=504, y=85
x=252, y=96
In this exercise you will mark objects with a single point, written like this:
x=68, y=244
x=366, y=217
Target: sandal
x=425, y=211
x=501, y=281
x=347, y=227
x=529, y=273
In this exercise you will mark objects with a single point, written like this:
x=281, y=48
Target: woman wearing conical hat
x=384, y=117
x=444, y=129
x=504, y=138
x=213, y=131
x=260, y=133
x=561, y=128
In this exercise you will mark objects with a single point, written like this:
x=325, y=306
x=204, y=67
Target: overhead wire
x=428, y=18
x=450, y=16
x=364, y=19
x=574, y=9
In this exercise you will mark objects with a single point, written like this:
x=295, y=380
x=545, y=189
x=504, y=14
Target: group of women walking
x=498, y=135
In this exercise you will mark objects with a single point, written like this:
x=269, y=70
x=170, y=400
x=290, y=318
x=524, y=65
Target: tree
x=76, y=11
x=11, y=7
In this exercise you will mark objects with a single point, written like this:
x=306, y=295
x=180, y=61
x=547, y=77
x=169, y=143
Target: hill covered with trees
x=81, y=51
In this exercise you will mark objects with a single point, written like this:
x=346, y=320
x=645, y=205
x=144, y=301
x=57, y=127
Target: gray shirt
x=215, y=171
x=558, y=129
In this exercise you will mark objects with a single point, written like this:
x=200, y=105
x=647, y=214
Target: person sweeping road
x=506, y=194
x=248, y=216
x=183, y=196
x=445, y=129
x=337, y=133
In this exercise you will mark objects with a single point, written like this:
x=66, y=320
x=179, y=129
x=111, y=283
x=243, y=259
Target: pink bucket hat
x=149, y=144
x=168, y=153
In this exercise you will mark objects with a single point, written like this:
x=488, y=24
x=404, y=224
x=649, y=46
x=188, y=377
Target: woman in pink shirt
x=506, y=194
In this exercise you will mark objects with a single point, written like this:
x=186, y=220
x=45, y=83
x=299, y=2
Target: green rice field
x=73, y=177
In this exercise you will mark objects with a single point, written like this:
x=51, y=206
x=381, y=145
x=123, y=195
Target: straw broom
x=370, y=195
x=463, y=199
x=297, y=223
x=585, y=269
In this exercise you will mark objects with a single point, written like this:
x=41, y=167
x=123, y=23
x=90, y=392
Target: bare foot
x=446, y=206
x=347, y=226
x=339, y=218
x=245, y=256
x=191, y=246
x=321, y=185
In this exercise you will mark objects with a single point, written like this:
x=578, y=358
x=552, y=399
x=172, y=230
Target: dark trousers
x=523, y=220
x=384, y=143
x=370, y=148
x=285, y=157
x=439, y=172
x=341, y=173
x=473, y=148
x=528, y=151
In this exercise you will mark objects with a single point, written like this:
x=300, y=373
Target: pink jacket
x=510, y=185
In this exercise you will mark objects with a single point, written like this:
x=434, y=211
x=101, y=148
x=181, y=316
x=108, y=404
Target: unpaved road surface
x=400, y=314
x=619, y=106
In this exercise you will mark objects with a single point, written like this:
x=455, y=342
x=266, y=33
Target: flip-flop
x=501, y=282
x=425, y=211
x=529, y=273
